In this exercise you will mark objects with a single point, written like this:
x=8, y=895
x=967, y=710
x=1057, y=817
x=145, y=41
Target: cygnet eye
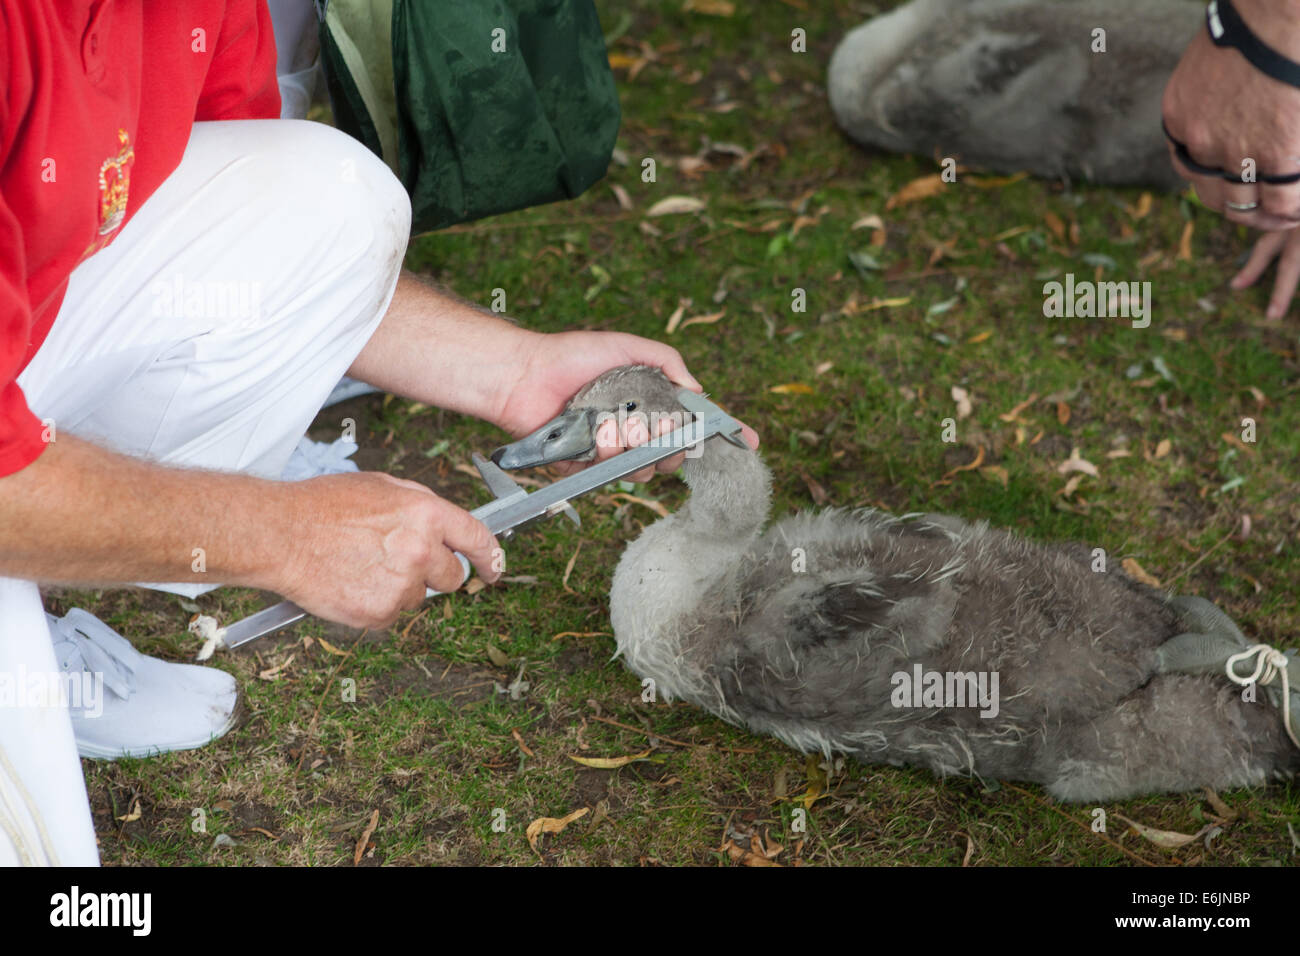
x=631, y=406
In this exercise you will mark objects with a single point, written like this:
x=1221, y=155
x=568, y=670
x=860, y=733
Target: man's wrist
x=520, y=352
x=1275, y=22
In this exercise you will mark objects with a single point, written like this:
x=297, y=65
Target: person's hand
x=1285, y=248
x=1226, y=111
x=559, y=364
x=368, y=544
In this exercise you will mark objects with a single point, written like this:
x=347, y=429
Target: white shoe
x=124, y=704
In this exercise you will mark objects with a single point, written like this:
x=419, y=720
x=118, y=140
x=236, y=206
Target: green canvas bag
x=478, y=106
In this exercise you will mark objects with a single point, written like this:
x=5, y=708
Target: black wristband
x=1227, y=28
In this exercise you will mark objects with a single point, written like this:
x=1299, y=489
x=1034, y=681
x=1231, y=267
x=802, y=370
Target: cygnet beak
x=571, y=434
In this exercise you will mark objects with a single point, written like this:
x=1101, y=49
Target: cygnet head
x=621, y=394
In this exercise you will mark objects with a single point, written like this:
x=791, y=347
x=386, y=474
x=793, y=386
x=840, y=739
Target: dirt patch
x=589, y=787
x=123, y=813
x=458, y=683
x=578, y=658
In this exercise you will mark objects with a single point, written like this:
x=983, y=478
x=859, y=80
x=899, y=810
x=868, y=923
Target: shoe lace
x=1269, y=664
x=82, y=642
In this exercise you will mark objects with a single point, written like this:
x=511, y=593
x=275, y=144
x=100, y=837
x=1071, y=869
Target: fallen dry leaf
x=693, y=165
x=1143, y=207
x=996, y=473
x=979, y=460
x=1185, y=242
x=979, y=337
x=331, y=649
x=995, y=182
x=568, y=569
x=366, y=834
x=1014, y=414
x=940, y=250
x=497, y=656
x=551, y=825
x=1163, y=448
x=885, y=304
x=818, y=493
x=817, y=782
x=1221, y=808
x=1011, y=233
x=870, y=221
x=1165, y=839
x=711, y=8
x=962, y=398
x=922, y=188
x=703, y=319
x=1075, y=463
x=1063, y=413
x=792, y=388
x=823, y=367
x=654, y=506
x=1055, y=224
x=609, y=763
x=133, y=813
x=676, y=317
x=274, y=673
x=522, y=746
x=800, y=223
x=1138, y=573
x=624, y=200
x=675, y=205
x=746, y=857
x=1236, y=442
x=556, y=637
x=474, y=586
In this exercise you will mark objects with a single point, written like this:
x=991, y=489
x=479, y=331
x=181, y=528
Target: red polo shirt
x=97, y=98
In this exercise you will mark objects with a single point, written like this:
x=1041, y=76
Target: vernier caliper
x=513, y=507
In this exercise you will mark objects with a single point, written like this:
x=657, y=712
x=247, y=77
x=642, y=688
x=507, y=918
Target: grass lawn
x=946, y=294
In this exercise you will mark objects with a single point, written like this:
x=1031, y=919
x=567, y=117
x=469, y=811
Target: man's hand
x=561, y=363
x=1285, y=248
x=441, y=351
x=369, y=544
x=1226, y=112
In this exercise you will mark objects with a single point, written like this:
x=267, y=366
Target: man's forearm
x=436, y=349
x=83, y=514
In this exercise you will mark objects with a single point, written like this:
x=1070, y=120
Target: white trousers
x=206, y=335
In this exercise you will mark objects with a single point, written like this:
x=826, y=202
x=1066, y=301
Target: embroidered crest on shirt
x=115, y=184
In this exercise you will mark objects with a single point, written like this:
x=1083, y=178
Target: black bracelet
x=1184, y=157
x=1227, y=28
